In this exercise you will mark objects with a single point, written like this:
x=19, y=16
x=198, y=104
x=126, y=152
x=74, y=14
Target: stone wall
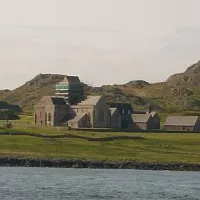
x=101, y=118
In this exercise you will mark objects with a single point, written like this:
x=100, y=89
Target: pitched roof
x=115, y=105
x=58, y=101
x=181, y=120
x=77, y=118
x=153, y=113
x=91, y=100
x=46, y=100
x=121, y=106
x=112, y=110
x=70, y=79
x=73, y=79
x=49, y=100
x=141, y=118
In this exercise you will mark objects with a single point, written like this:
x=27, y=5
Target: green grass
x=165, y=148
x=25, y=124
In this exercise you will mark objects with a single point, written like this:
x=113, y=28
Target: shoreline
x=88, y=164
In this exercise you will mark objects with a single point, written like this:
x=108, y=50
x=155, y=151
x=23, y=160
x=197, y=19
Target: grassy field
x=165, y=148
x=156, y=147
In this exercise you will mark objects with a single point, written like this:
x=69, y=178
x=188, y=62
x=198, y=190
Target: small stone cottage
x=145, y=121
x=182, y=123
x=140, y=122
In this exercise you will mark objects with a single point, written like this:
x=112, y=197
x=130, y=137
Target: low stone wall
x=132, y=131
x=26, y=162
x=94, y=139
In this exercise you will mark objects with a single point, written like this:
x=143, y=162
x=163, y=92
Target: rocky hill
x=190, y=78
x=27, y=95
x=180, y=92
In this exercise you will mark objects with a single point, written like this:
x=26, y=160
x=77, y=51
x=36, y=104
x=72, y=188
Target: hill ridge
x=180, y=92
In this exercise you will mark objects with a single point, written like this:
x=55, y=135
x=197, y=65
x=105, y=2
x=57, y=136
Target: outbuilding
x=141, y=122
x=182, y=123
x=125, y=110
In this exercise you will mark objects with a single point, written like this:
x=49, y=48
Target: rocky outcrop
x=139, y=83
x=180, y=92
x=44, y=79
x=28, y=162
x=190, y=78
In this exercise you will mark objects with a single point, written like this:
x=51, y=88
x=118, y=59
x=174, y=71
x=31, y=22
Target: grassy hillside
x=163, y=148
x=179, y=94
x=31, y=92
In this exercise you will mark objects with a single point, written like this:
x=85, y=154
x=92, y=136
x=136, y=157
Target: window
x=101, y=116
x=45, y=120
x=35, y=118
x=49, y=117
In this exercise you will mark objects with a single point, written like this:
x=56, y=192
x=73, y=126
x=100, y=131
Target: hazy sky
x=102, y=41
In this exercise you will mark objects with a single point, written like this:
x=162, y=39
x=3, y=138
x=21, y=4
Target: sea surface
x=86, y=184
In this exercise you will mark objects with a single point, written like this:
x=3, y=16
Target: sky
x=101, y=41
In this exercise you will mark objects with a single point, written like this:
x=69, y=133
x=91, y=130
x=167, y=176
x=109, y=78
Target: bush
x=8, y=115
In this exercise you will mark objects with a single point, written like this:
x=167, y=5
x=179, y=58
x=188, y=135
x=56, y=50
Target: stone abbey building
x=71, y=108
x=71, y=89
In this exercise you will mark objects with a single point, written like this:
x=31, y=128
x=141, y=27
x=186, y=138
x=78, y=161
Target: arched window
x=35, y=118
x=45, y=122
x=49, y=117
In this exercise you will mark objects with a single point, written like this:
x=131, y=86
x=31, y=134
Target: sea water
x=86, y=184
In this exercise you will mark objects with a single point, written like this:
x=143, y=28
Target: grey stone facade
x=72, y=109
x=182, y=123
x=93, y=112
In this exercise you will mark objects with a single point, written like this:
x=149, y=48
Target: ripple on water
x=86, y=184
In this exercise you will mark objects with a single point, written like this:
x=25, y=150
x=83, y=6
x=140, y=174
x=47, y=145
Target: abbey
x=70, y=107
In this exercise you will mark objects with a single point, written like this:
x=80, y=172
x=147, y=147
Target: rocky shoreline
x=53, y=163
